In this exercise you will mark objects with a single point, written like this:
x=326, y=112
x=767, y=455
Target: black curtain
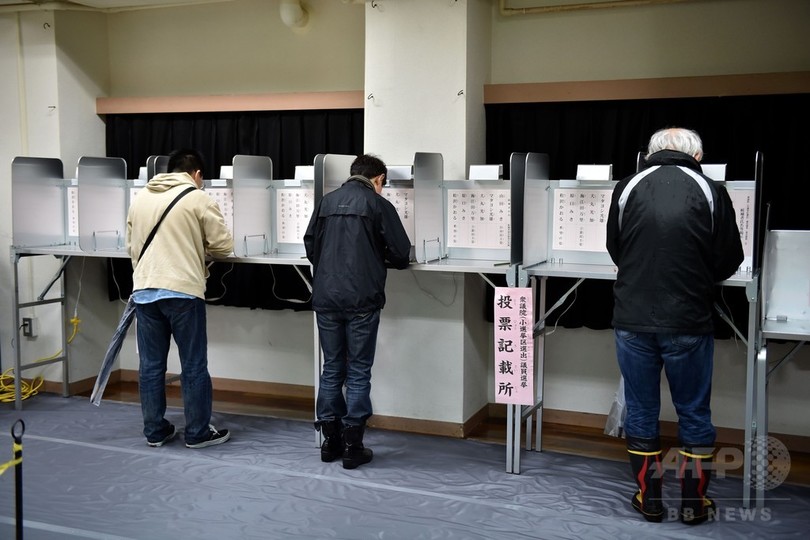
x=733, y=129
x=289, y=138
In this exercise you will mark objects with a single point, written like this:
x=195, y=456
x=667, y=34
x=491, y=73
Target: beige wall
x=243, y=47
x=82, y=75
x=10, y=146
x=718, y=37
x=239, y=47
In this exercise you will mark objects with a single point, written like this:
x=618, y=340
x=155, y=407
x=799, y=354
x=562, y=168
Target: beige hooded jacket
x=193, y=228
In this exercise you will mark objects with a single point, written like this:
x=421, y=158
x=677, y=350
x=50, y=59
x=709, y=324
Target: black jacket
x=670, y=247
x=351, y=236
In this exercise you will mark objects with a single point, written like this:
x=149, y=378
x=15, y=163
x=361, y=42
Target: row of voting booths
x=528, y=219
x=527, y=227
x=268, y=217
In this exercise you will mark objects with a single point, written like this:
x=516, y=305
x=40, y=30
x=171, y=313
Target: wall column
x=426, y=64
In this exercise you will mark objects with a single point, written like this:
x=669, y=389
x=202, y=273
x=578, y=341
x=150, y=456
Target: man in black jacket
x=673, y=235
x=351, y=236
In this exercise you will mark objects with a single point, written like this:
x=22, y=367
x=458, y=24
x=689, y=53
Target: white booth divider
x=103, y=202
x=253, y=204
x=428, y=175
x=38, y=202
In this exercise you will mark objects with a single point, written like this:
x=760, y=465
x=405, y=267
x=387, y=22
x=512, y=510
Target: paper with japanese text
x=580, y=219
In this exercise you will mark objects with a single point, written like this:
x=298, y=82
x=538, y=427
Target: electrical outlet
x=26, y=326
x=29, y=326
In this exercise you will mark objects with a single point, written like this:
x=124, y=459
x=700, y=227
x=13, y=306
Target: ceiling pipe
x=77, y=6
x=47, y=6
x=505, y=10
x=293, y=14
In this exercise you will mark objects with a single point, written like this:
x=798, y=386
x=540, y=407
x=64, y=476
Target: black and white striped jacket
x=672, y=234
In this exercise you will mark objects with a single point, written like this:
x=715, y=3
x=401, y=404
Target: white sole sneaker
x=215, y=437
x=166, y=439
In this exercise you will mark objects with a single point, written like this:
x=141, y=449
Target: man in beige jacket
x=169, y=293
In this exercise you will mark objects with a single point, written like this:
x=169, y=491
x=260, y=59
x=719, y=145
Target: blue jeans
x=348, y=342
x=157, y=323
x=687, y=361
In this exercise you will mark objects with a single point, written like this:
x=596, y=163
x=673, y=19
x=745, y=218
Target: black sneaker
x=214, y=437
x=164, y=440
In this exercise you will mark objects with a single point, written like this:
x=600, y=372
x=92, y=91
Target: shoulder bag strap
x=154, y=229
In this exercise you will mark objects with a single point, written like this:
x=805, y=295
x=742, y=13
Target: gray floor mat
x=89, y=474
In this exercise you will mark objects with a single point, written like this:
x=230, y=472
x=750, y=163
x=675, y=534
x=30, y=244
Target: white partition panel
x=517, y=180
x=252, y=205
x=38, y=202
x=334, y=170
x=156, y=165
x=534, y=219
x=103, y=193
x=430, y=243
x=786, y=285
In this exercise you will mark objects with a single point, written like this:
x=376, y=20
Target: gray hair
x=678, y=139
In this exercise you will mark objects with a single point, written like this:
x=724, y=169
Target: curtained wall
x=601, y=132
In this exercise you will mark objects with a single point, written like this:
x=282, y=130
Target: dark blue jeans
x=687, y=361
x=157, y=323
x=348, y=342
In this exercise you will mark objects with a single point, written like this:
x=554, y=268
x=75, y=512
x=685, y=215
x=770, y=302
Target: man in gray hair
x=672, y=234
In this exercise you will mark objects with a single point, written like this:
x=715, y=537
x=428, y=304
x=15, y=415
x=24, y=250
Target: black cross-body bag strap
x=154, y=229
